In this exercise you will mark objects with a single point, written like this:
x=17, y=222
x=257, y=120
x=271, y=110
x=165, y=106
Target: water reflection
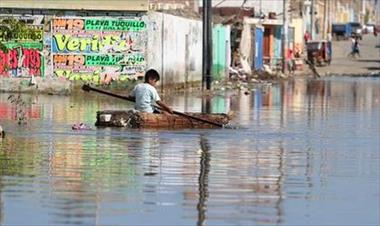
x=204, y=168
x=308, y=147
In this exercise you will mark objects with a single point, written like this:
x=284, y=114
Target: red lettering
x=3, y=62
x=13, y=58
x=32, y=61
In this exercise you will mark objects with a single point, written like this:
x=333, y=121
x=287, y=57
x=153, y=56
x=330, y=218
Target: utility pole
x=284, y=37
x=204, y=44
x=325, y=26
x=363, y=13
x=207, y=45
x=312, y=20
x=329, y=23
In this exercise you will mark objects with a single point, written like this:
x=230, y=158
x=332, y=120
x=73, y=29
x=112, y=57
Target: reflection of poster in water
x=92, y=48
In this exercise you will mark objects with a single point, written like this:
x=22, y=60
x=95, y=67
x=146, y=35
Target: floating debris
x=81, y=126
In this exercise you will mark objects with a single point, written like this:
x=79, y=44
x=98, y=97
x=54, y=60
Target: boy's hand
x=170, y=110
x=165, y=107
x=167, y=112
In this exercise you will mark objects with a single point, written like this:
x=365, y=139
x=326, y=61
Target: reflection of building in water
x=236, y=186
x=66, y=182
x=245, y=106
x=185, y=102
x=188, y=102
x=246, y=185
x=318, y=92
x=351, y=95
x=147, y=149
x=240, y=102
x=204, y=169
x=257, y=177
x=9, y=110
x=82, y=172
x=221, y=104
x=299, y=91
x=364, y=97
x=20, y=160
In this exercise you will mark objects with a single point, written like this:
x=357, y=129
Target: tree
x=10, y=28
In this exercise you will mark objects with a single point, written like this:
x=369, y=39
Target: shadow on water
x=368, y=60
x=263, y=199
x=373, y=68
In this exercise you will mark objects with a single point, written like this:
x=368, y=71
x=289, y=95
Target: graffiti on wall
x=22, y=56
x=98, y=50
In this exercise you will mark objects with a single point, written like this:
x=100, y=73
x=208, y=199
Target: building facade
x=114, y=5
x=101, y=46
x=75, y=40
x=164, y=5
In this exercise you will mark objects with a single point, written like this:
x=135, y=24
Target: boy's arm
x=132, y=98
x=132, y=95
x=164, y=106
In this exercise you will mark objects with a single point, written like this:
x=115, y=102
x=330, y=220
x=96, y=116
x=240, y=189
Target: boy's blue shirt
x=145, y=96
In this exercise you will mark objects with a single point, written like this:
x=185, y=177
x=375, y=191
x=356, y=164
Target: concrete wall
x=175, y=48
x=23, y=55
x=277, y=47
x=174, y=4
x=343, y=12
x=102, y=52
x=246, y=49
x=221, y=51
x=298, y=34
x=265, y=5
x=91, y=49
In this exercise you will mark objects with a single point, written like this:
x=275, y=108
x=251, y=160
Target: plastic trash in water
x=81, y=126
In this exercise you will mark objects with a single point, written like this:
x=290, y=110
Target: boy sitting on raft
x=145, y=94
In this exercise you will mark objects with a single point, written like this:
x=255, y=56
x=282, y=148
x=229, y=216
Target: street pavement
x=367, y=64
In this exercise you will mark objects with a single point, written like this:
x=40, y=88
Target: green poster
x=114, y=25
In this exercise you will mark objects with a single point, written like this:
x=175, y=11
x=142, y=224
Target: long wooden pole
x=89, y=88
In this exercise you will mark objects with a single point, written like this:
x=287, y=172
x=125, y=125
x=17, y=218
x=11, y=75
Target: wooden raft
x=134, y=119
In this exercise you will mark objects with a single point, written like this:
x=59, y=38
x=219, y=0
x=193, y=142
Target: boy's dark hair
x=151, y=74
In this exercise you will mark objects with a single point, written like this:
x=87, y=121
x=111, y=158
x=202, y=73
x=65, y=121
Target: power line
x=219, y=3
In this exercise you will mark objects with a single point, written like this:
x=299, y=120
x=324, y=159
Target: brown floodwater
x=306, y=152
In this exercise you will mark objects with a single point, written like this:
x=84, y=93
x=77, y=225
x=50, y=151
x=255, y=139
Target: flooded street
x=306, y=153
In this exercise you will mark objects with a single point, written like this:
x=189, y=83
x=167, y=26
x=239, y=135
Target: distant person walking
x=355, y=51
x=306, y=36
